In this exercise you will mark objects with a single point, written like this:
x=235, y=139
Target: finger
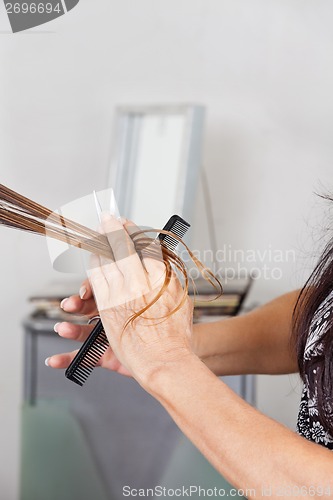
x=105, y=279
x=148, y=246
x=109, y=361
x=75, y=304
x=127, y=260
x=131, y=228
x=110, y=273
x=72, y=331
x=98, y=271
x=61, y=360
x=150, y=253
x=86, y=290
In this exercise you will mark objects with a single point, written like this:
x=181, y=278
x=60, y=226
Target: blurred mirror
x=156, y=163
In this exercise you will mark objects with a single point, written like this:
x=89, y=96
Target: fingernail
x=63, y=302
x=55, y=328
x=47, y=362
x=82, y=292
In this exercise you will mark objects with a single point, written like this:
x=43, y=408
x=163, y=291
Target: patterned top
x=308, y=424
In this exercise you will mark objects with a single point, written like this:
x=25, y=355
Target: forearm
x=257, y=342
x=247, y=448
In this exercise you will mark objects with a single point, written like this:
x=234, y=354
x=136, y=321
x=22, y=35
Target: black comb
x=97, y=343
x=177, y=226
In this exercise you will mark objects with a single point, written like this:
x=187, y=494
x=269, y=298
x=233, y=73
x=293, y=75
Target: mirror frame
x=123, y=165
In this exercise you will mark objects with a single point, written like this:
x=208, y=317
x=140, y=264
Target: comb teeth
x=179, y=230
x=175, y=225
x=88, y=356
x=97, y=343
x=170, y=242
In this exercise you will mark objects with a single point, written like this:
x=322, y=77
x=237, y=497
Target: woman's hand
x=84, y=304
x=122, y=288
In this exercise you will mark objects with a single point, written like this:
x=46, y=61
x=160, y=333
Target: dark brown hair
x=314, y=292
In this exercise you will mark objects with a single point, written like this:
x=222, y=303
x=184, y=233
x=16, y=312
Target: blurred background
x=263, y=72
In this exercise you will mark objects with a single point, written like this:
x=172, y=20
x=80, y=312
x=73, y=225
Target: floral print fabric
x=308, y=424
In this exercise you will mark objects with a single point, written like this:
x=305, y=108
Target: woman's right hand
x=84, y=304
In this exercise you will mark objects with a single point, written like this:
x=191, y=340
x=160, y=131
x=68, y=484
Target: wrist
x=183, y=369
x=195, y=339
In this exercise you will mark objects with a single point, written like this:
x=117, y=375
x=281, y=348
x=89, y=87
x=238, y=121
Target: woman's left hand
x=125, y=286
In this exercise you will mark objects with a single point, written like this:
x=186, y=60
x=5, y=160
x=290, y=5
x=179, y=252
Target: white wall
x=264, y=71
